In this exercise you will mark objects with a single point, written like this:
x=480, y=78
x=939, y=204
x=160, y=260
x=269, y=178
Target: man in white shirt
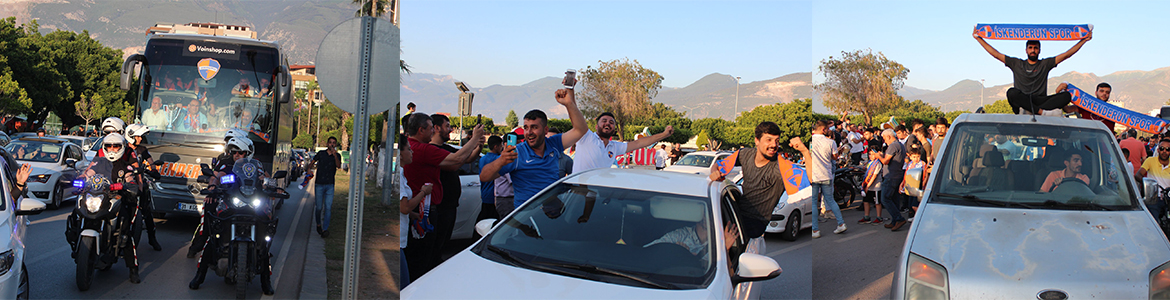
x=660, y=157
x=819, y=160
x=596, y=150
x=156, y=116
x=856, y=144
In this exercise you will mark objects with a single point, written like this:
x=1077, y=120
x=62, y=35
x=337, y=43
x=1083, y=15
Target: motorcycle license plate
x=191, y=207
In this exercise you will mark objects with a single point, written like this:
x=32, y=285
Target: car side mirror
x=755, y=267
x=70, y=162
x=483, y=227
x=158, y=163
x=30, y=207
x=80, y=164
x=1150, y=189
x=280, y=174
x=206, y=170
x=914, y=182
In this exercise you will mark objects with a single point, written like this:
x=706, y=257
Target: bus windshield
x=205, y=88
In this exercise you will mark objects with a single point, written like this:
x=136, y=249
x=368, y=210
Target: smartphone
x=513, y=139
x=570, y=79
x=478, y=119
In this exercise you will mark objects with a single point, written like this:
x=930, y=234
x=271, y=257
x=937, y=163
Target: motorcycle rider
x=118, y=167
x=239, y=148
x=113, y=124
x=200, y=238
x=136, y=132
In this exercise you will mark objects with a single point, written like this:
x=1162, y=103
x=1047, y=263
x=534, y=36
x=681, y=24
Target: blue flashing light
x=79, y=183
x=228, y=179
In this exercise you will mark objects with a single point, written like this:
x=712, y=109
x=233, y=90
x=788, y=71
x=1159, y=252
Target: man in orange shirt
x=1137, y=149
x=1072, y=169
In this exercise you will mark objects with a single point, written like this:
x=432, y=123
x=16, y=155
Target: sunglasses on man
x=113, y=146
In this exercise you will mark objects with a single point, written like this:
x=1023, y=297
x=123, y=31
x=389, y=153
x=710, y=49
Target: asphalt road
x=856, y=264
x=166, y=273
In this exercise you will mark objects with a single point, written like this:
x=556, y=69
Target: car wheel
x=56, y=202
x=792, y=229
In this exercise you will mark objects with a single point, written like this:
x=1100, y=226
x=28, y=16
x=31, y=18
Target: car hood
x=44, y=167
x=478, y=278
x=1000, y=253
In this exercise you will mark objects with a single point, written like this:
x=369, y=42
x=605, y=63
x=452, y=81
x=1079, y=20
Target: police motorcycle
x=242, y=225
x=96, y=230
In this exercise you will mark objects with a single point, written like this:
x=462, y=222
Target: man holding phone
x=534, y=163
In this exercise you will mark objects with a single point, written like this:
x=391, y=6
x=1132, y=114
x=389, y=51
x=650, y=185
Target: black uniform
x=122, y=171
x=145, y=204
x=223, y=163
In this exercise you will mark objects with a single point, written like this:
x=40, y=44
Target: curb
x=313, y=285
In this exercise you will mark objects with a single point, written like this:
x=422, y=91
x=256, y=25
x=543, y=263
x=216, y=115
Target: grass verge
x=379, y=263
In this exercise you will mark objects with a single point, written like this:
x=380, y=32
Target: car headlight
x=1160, y=282
x=42, y=178
x=779, y=207
x=925, y=279
x=93, y=203
x=6, y=260
x=237, y=202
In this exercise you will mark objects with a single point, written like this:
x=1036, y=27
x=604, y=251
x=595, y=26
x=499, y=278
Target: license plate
x=191, y=207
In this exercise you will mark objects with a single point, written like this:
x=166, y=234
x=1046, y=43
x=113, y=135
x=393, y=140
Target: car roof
x=644, y=180
x=1028, y=119
x=708, y=153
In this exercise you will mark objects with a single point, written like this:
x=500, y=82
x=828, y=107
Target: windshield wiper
x=520, y=263
x=591, y=269
x=1085, y=205
x=975, y=199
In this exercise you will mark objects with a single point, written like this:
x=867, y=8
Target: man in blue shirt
x=534, y=163
x=487, y=189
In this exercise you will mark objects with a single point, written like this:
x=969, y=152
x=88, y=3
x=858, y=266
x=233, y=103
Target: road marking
x=43, y=256
x=789, y=249
x=856, y=236
x=50, y=219
x=287, y=243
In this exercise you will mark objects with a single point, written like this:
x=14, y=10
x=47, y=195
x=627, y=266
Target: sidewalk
x=313, y=285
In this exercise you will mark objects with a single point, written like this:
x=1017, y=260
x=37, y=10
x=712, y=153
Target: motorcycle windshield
x=247, y=172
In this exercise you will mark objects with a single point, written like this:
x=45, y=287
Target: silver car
x=1024, y=208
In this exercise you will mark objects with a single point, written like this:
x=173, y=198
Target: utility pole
x=736, y=112
x=984, y=87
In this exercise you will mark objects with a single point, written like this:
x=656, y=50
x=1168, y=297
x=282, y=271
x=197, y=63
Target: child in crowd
x=872, y=185
x=915, y=155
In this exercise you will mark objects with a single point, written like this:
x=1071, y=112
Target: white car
x=700, y=163
x=53, y=163
x=14, y=282
x=996, y=227
x=790, y=215
x=609, y=234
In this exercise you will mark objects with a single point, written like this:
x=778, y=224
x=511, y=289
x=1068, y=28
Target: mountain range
x=1140, y=91
x=711, y=96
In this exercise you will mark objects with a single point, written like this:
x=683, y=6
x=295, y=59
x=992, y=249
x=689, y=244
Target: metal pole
x=390, y=179
x=317, y=140
x=982, y=87
x=353, y=238
x=736, y=112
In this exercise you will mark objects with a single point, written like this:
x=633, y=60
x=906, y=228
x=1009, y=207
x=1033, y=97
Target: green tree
x=303, y=140
x=904, y=111
x=951, y=115
x=795, y=119
x=621, y=87
x=861, y=81
x=702, y=138
x=998, y=107
x=512, y=120
x=90, y=108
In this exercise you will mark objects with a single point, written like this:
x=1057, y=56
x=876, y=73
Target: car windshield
x=35, y=151
x=697, y=160
x=637, y=238
x=1029, y=166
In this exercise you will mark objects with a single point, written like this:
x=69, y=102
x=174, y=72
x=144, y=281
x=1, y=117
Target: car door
x=68, y=172
x=746, y=290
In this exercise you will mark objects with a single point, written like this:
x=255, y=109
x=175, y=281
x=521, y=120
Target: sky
x=515, y=42
x=933, y=38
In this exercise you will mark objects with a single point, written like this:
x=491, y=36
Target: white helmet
x=240, y=144
x=114, y=139
x=136, y=130
x=113, y=124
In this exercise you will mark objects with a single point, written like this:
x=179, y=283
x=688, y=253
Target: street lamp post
x=736, y=112
x=316, y=139
x=983, y=87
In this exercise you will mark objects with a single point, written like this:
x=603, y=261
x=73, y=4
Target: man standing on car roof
x=1029, y=91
